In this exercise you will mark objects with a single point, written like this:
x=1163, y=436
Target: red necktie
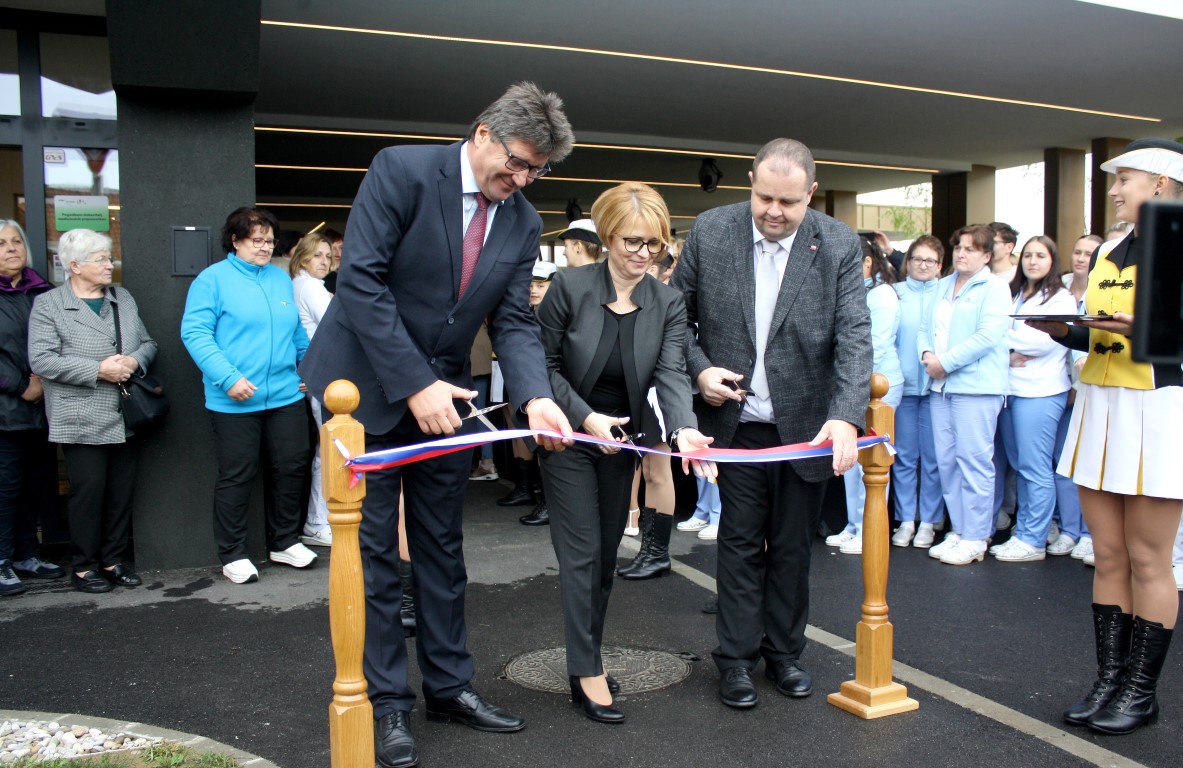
x=474, y=238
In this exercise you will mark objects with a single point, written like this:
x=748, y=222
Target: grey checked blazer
x=818, y=358
x=67, y=341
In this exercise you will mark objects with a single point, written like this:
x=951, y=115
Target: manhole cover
x=638, y=669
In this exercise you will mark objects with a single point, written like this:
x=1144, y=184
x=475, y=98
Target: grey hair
x=787, y=153
x=528, y=114
x=78, y=244
x=15, y=225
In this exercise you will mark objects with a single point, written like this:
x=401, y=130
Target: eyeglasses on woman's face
x=635, y=244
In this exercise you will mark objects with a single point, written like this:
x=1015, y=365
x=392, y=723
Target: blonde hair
x=305, y=251
x=621, y=204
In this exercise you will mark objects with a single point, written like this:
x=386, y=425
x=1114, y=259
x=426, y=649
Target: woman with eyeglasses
x=610, y=331
x=1120, y=451
x=85, y=339
x=242, y=328
x=962, y=345
x=915, y=480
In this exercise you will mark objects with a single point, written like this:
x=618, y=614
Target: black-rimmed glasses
x=634, y=245
x=517, y=165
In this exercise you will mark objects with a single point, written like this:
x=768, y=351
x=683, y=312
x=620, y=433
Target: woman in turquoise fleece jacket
x=242, y=328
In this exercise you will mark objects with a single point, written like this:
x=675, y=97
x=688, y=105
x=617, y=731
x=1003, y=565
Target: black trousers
x=763, y=595
x=238, y=441
x=28, y=489
x=587, y=493
x=102, y=479
x=433, y=495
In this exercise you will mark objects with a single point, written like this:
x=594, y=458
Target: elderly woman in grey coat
x=73, y=348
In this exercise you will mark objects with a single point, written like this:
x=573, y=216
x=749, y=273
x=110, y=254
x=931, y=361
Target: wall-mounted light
x=573, y=212
x=709, y=175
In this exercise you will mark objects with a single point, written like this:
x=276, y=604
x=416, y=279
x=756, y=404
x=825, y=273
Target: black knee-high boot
x=1135, y=704
x=645, y=523
x=1111, y=629
x=656, y=560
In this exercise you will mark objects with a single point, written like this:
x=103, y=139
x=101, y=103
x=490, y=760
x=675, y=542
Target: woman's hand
x=932, y=364
x=35, y=391
x=113, y=370
x=600, y=425
x=1120, y=323
x=690, y=440
x=1019, y=360
x=242, y=390
x=1053, y=328
x=129, y=362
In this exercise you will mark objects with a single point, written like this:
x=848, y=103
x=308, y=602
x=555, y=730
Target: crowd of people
x=761, y=329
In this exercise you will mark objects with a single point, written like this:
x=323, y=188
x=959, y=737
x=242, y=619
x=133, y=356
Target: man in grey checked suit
x=780, y=349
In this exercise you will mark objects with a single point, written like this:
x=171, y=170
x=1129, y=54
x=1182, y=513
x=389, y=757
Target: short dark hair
x=242, y=221
x=980, y=235
x=528, y=114
x=332, y=235
x=1008, y=233
x=789, y=152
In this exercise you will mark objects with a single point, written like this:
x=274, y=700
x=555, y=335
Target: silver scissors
x=479, y=414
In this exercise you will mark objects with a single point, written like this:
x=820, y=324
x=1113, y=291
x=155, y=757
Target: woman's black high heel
x=613, y=684
x=598, y=712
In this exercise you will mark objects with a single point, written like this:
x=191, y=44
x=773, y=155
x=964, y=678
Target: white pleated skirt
x=1124, y=441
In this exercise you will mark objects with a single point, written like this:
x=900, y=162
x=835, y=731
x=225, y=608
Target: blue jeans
x=708, y=506
x=856, y=491
x=963, y=429
x=1028, y=426
x=1067, y=499
x=915, y=479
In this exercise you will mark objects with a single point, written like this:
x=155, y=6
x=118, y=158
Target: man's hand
x=932, y=364
x=718, y=385
x=690, y=440
x=433, y=409
x=845, y=438
x=545, y=413
x=242, y=390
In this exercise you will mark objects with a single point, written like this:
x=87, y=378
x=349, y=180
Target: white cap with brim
x=1161, y=157
x=544, y=270
x=581, y=229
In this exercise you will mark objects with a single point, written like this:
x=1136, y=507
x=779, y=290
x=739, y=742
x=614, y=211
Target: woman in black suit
x=611, y=331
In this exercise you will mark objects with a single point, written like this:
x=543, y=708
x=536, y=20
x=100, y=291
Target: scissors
x=479, y=415
x=618, y=432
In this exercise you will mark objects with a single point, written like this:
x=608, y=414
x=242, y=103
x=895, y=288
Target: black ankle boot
x=645, y=523
x=406, y=580
x=521, y=495
x=1135, y=704
x=657, y=559
x=540, y=515
x=1111, y=629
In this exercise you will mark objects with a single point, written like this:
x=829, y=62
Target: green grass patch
x=163, y=755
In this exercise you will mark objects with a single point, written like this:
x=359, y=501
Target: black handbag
x=144, y=403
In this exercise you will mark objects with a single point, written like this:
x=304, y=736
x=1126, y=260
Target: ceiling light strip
x=274, y=167
x=712, y=64
x=304, y=205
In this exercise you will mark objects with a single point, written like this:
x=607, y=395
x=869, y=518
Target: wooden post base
x=870, y=703
x=351, y=733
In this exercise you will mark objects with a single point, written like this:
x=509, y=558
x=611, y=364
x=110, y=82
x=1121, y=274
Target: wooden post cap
x=342, y=397
x=879, y=386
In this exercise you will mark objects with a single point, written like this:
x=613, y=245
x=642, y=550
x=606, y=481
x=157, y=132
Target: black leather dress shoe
x=90, y=582
x=711, y=606
x=736, y=688
x=790, y=678
x=539, y=516
x=394, y=746
x=472, y=710
x=122, y=576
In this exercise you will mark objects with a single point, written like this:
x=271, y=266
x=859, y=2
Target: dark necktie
x=474, y=238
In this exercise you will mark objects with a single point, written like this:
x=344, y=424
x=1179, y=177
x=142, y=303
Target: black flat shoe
x=91, y=583
x=601, y=713
x=736, y=688
x=539, y=516
x=122, y=576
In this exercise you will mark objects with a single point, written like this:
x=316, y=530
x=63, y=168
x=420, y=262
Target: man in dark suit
x=439, y=239
x=780, y=348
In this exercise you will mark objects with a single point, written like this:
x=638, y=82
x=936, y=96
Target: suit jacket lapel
x=452, y=211
x=800, y=263
x=745, y=269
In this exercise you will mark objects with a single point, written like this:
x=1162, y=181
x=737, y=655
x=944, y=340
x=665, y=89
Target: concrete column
x=1103, y=214
x=843, y=206
x=958, y=199
x=979, y=195
x=1063, y=197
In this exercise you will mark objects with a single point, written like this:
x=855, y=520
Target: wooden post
x=351, y=716
x=872, y=693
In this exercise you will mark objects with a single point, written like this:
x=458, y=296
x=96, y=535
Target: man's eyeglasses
x=517, y=165
x=924, y=262
x=262, y=242
x=635, y=244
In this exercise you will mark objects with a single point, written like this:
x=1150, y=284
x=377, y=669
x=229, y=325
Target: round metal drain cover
x=637, y=669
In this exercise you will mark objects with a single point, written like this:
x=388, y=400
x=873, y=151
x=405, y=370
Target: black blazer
x=572, y=320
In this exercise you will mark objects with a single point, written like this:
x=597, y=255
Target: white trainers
x=1083, y=548
x=964, y=552
x=710, y=533
x=1089, y=560
x=241, y=571
x=297, y=556
x=1015, y=550
x=1063, y=545
x=925, y=535
x=852, y=547
x=903, y=535
x=321, y=538
x=693, y=524
x=1053, y=532
x=484, y=472
x=947, y=543
x=838, y=539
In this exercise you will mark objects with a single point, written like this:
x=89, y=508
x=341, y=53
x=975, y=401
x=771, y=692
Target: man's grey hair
x=787, y=153
x=79, y=244
x=531, y=115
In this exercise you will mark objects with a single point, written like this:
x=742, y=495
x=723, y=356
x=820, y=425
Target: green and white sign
x=81, y=212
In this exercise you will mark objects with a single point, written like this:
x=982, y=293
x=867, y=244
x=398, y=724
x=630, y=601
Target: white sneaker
x=1083, y=548
x=241, y=571
x=1053, y=532
x=1178, y=568
x=297, y=556
x=1090, y=560
x=947, y=543
x=838, y=539
x=1063, y=545
x=1015, y=550
x=964, y=552
x=996, y=548
x=903, y=535
x=925, y=535
x=321, y=538
x=693, y=524
x=852, y=547
x=710, y=533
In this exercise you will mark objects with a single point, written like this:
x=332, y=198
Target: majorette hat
x=1162, y=157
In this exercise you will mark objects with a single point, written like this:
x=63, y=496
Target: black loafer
x=736, y=688
x=122, y=576
x=90, y=582
x=394, y=746
x=471, y=710
x=790, y=678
